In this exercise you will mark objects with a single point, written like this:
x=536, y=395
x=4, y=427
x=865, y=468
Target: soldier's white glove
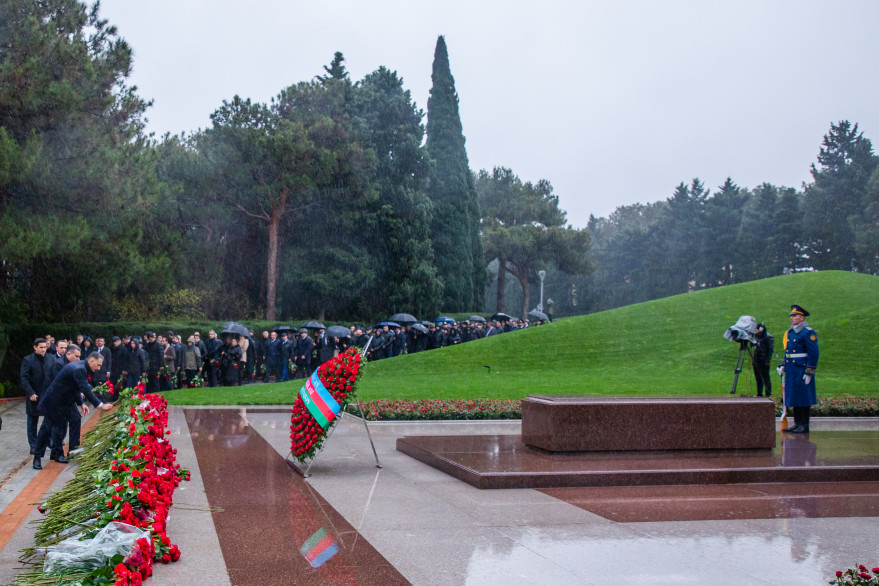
x=807, y=378
x=780, y=370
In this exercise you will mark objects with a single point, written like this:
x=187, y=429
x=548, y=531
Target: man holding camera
x=764, y=346
x=800, y=364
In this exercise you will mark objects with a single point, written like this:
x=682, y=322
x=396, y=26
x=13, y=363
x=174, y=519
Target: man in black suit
x=156, y=360
x=64, y=394
x=103, y=374
x=34, y=375
x=304, y=346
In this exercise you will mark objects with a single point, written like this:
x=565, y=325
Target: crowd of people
x=61, y=375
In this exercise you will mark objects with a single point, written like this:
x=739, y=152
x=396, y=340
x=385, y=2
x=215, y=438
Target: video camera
x=743, y=330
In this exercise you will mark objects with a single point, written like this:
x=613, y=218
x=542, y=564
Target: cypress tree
x=455, y=221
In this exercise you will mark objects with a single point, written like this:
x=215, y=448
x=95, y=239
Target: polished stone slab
x=275, y=529
x=650, y=504
x=566, y=423
x=504, y=461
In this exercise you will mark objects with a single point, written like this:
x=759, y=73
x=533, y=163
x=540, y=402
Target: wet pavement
x=352, y=523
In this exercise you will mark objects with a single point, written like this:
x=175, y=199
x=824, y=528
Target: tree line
x=342, y=199
x=697, y=238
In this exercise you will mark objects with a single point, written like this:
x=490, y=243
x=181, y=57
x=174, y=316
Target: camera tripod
x=740, y=362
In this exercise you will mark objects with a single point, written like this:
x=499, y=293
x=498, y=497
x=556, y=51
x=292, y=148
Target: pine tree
x=388, y=122
x=455, y=222
x=834, y=201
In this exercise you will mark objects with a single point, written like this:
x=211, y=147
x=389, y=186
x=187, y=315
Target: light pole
x=541, y=274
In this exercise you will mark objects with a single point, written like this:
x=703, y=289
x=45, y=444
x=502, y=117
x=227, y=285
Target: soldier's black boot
x=792, y=428
x=37, y=464
x=800, y=414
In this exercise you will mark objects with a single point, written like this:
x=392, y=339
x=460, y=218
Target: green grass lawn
x=671, y=346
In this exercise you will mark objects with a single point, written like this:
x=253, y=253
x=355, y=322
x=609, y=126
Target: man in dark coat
x=33, y=376
x=66, y=392
x=287, y=349
x=360, y=339
x=212, y=355
x=119, y=360
x=137, y=363
x=273, y=357
x=202, y=349
x=260, y=368
x=378, y=348
x=57, y=360
x=156, y=357
x=764, y=347
x=399, y=342
x=103, y=374
x=326, y=347
x=304, y=347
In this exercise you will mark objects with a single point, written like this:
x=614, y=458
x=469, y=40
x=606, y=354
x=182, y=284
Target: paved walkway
x=352, y=523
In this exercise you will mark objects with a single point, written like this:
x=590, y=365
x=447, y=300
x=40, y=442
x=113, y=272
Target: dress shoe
x=37, y=464
x=61, y=460
x=794, y=429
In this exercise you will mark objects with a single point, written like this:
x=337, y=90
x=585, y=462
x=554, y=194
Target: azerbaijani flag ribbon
x=320, y=403
x=319, y=548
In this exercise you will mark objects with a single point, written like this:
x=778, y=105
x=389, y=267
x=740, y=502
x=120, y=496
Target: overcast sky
x=613, y=102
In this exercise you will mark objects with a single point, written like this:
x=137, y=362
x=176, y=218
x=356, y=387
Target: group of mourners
x=61, y=375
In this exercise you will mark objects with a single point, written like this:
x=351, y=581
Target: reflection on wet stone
x=275, y=528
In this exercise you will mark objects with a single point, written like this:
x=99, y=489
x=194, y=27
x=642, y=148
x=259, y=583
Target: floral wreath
x=323, y=396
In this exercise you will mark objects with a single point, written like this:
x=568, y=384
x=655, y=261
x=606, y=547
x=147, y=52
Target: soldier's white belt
x=801, y=355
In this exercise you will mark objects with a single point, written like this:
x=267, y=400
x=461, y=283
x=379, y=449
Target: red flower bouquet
x=320, y=400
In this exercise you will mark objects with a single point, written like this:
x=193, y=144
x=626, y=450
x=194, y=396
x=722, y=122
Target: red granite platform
x=566, y=423
x=504, y=461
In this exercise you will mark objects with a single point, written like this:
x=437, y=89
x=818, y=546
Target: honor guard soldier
x=800, y=364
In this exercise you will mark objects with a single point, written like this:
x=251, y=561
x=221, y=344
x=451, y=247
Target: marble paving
x=407, y=522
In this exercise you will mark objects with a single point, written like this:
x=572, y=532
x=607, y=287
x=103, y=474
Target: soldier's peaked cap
x=797, y=310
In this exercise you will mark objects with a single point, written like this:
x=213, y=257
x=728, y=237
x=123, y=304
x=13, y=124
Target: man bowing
x=66, y=390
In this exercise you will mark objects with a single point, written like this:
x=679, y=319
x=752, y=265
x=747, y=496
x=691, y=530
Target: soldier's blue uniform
x=800, y=365
x=800, y=360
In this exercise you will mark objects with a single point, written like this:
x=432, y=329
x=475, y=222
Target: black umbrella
x=444, y=320
x=313, y=325
x=231, y=327
x=420, y=328
x=284, y=329
x=477, y=318
x=538, y=314
x=390, y=324
x=403, y=318
x=500, y=316
x=338, y=332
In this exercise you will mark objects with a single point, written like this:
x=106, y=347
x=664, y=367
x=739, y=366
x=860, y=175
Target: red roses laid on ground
x=127, y=475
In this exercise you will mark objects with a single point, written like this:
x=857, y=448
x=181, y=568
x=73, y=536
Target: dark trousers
x=32, y=421
x=52, y=430
x=152, y=385
x=802, y=416
x=302, y=371
x=133, y=379
x=212, y=373
x=74, y=422
x=761, y=373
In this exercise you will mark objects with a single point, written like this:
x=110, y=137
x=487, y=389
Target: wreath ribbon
x=318, y=400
